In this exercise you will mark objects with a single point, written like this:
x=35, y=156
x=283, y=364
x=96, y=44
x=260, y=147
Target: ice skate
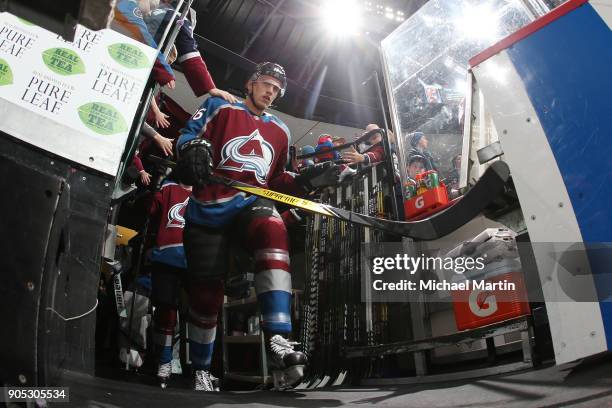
x=205, y=381
x=286, y=364
x=163, y=373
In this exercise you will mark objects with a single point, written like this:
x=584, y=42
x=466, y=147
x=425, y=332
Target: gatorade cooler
x=429, y=200
x=478, y=306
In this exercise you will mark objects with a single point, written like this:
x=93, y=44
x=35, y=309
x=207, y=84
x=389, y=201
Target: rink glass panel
x=425, y=62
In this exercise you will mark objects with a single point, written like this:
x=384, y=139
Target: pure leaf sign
x=102, y=118
x=6, y=75
x=63, y=61
x=128, y=55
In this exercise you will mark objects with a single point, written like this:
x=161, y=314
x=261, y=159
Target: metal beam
x=262, y=27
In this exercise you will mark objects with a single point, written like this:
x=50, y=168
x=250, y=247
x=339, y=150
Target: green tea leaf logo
x=102, y=118
x=63, y=61
x=128, y=55
x=6, y=75
x=24, y=21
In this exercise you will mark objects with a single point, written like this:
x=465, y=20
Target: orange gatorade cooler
x=424, y=194
x=429, y=200
x=494, y=294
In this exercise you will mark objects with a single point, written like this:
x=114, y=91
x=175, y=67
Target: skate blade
x=294, y=374
x=163, y=382
x=278, y=380
x=287, y=378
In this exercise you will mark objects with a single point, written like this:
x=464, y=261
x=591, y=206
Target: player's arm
x=196, y=125
x=129, y=22
x=374, y=155
x=194, y=151
x=191, y=61
x=153, y=204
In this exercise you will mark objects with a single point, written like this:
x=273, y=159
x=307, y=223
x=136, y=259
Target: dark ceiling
x=326, y=74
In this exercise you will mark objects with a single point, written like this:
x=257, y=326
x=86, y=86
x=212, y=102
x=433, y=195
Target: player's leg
x=164, y=295
x=206, y=252
x=266, y=236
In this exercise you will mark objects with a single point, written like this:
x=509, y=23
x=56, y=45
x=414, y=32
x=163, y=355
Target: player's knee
x=205, y=300
x=269, y=232
x=165, y=318
x=163, y=295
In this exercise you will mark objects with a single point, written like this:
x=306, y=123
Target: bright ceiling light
x=341, y=17
x=480, y=22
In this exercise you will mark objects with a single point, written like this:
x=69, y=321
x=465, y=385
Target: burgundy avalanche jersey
x=167, y=212
x=246, y=147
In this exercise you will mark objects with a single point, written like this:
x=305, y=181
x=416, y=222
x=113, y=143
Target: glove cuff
x=194, y=142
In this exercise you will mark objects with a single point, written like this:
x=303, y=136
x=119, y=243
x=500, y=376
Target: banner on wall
x=92, y=85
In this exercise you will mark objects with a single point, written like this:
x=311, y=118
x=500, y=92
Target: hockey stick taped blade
x=488, y=187
x=416, y=229
x=286, y=199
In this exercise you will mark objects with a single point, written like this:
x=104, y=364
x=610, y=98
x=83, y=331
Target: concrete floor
x=585, y=384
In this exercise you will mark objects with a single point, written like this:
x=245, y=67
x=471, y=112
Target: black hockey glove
x=318, y=176
x=195, y=164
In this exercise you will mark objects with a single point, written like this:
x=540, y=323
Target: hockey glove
x=318, y=176
x=195, y=164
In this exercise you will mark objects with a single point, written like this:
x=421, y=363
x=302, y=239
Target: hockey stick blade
x=488, y=187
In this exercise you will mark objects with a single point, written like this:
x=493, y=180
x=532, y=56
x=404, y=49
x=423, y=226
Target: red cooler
x=483, y=306
x=429, y=200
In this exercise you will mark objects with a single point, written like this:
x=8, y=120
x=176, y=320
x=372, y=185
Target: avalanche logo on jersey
x=248, y=153
x=175, y=215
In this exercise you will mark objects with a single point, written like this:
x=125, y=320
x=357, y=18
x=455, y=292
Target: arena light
x=480, y=22
x=341, y=17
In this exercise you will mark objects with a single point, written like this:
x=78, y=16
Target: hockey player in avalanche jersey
x=242, y=142
x=168, y=266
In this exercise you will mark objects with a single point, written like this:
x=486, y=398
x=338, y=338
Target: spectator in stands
x=324, y=146
x=188, y=56
x=419, y=144
x=369, y=151
x=128, y=20
x=308, y=161
x=416, y=165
